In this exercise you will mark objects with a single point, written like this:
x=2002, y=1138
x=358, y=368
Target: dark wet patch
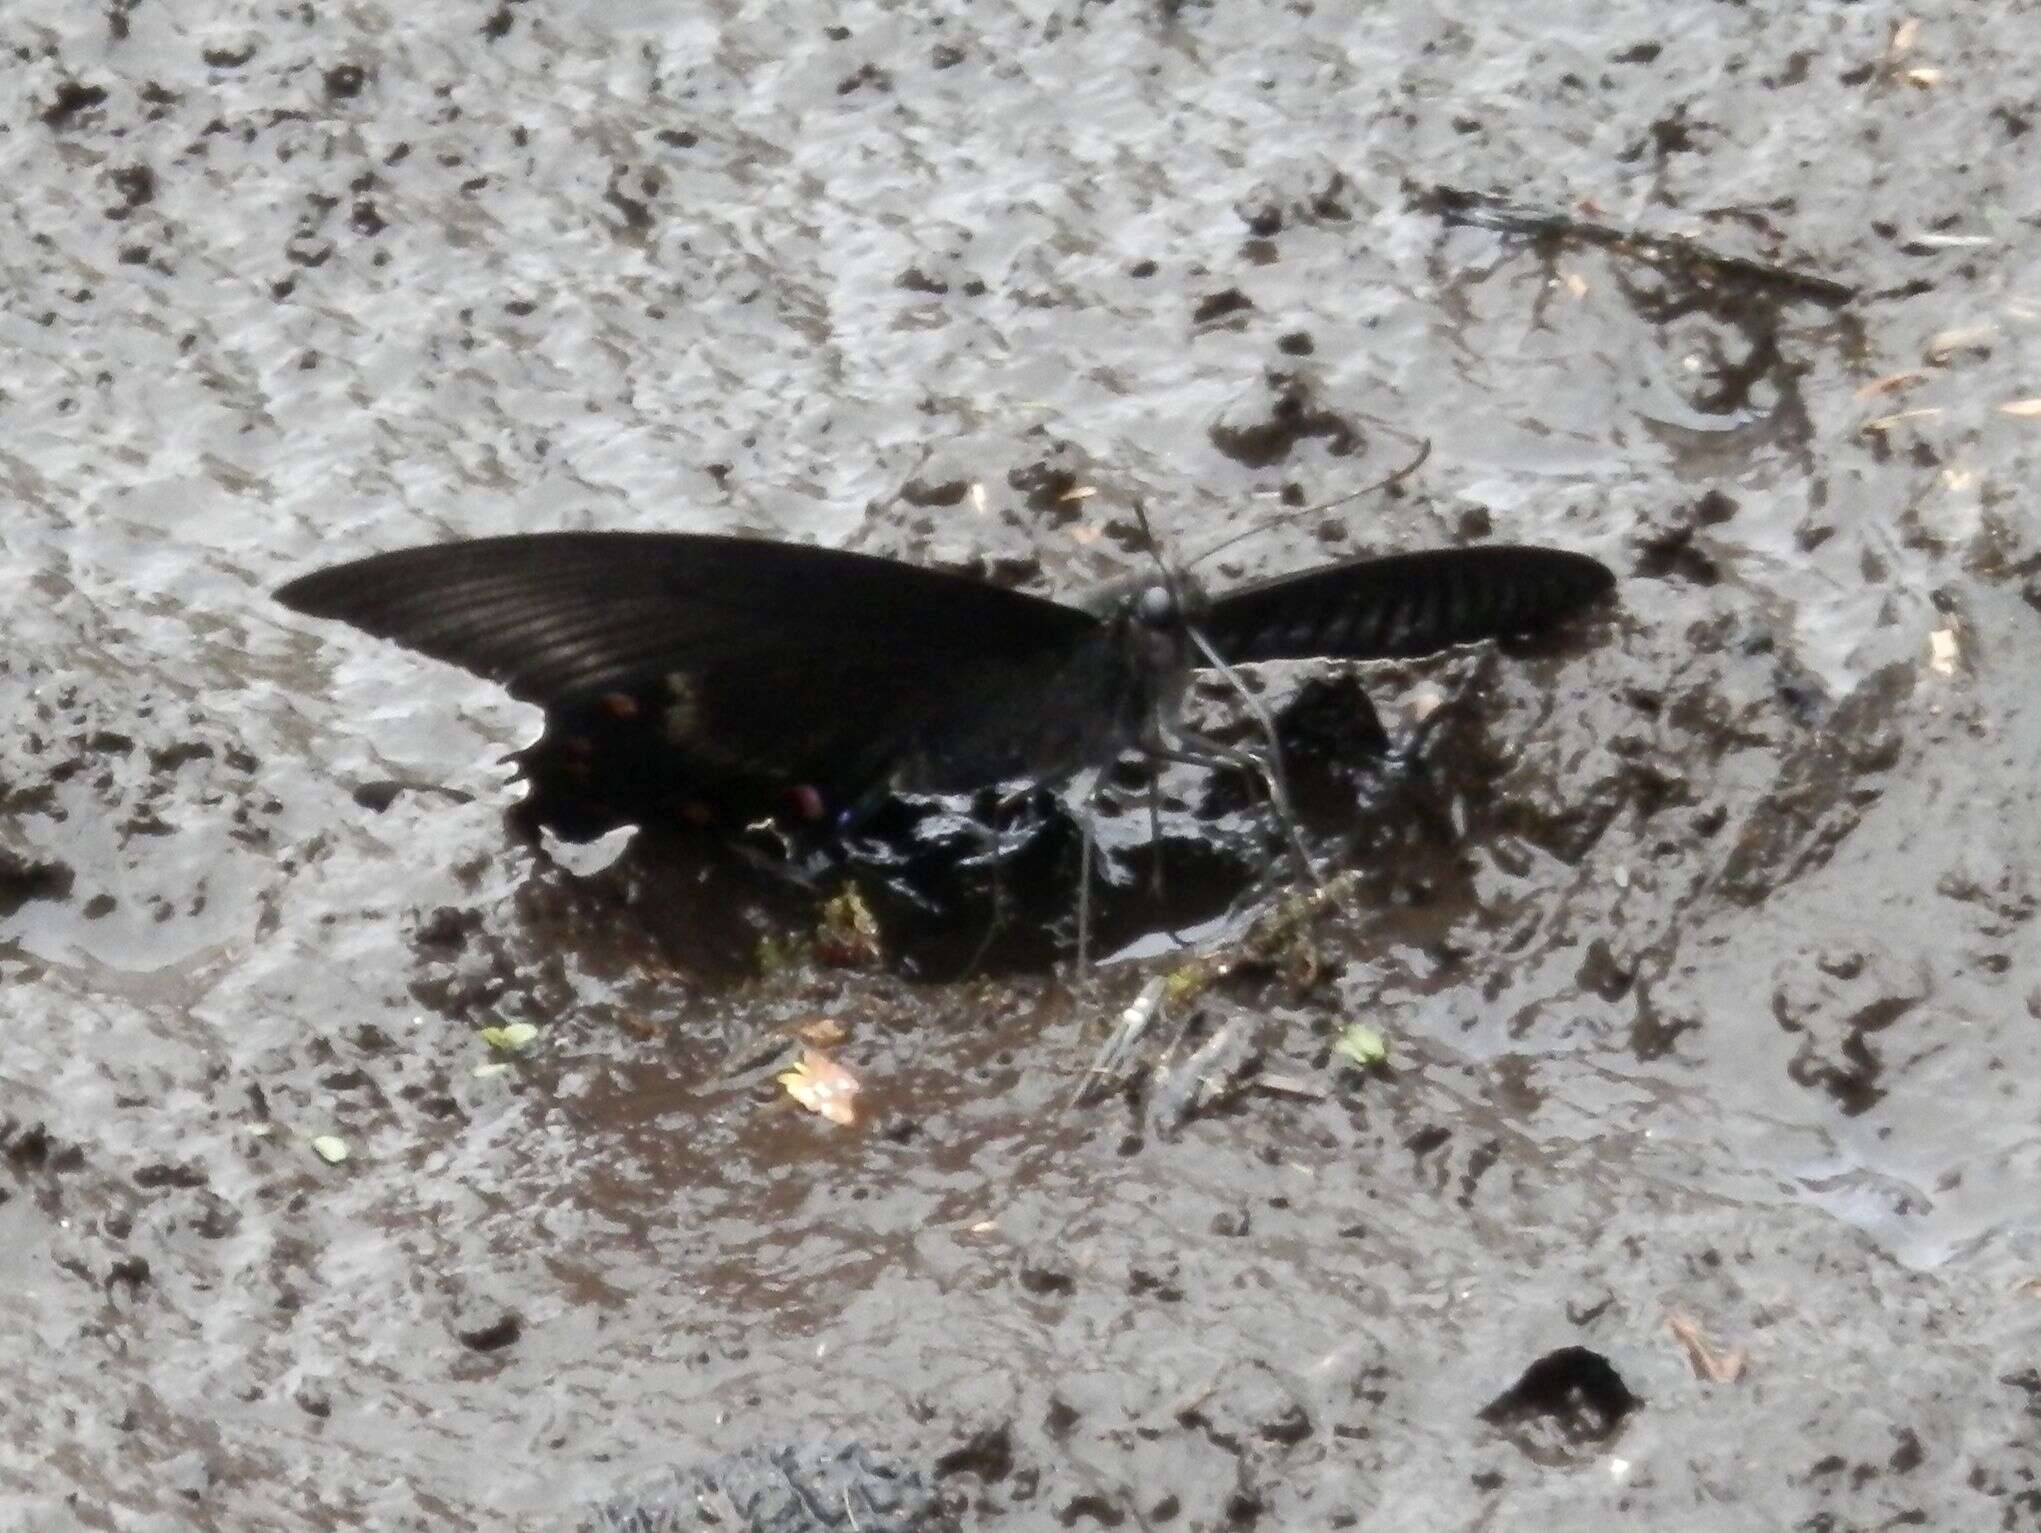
x=1267, y=433
x=1566, y=1406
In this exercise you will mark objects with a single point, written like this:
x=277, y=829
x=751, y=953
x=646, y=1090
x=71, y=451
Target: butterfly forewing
x=1403, y=605
x=715, y=657
x=554, y=614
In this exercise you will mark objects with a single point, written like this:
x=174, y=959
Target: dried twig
x=1481, y=210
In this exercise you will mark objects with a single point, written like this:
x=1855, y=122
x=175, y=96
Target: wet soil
x=1700, y=1186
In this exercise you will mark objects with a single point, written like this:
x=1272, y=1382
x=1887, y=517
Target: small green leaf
x=330, y=1148
x=1363, y=1044
x=513, y=1038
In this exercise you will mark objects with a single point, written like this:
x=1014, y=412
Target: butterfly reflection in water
x=720, y=681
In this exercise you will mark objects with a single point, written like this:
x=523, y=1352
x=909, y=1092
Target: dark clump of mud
x=1646, y=1134
x=987, y=885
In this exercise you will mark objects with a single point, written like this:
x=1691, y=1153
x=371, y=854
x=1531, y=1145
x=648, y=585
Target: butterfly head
x=1149, y=617
x=1155, y=605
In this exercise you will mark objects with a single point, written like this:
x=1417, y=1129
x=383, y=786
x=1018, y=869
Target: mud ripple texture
x=1719, y=1006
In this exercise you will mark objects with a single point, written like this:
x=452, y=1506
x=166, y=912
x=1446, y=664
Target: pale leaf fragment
x=1424, y=701
x=1891, y=383
x=1942, y=652
x=823, y=1032
x=823, y=1086
x=1363, y=1044
x=2025, y=409
x=1944, y=344
x=1884, y=423
x=512, y=1038
x=1709, y=1361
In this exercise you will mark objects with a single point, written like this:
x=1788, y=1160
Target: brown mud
x=1700, y=1188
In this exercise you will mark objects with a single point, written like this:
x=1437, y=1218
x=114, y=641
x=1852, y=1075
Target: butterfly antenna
x=1424, y=451
x=1162, y=566
x=1147, y=532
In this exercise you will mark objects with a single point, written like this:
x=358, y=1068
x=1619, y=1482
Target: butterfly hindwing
x=1400, y=606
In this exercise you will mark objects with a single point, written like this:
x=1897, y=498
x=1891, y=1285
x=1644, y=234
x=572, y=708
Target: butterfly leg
x=1194, y=750
x=995, y=922
x=1270, y=767
x=1087, y=854
x=1155, y=830
x=1001, y=850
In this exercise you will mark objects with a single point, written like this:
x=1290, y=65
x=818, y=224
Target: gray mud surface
x=1709, y=975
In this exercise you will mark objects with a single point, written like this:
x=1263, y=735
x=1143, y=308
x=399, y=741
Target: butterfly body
x=684, y=744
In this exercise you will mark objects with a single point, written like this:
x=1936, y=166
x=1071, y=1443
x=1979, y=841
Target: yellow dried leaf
x=1079, y=492
x=1576, y=284
x=1904, y=36
x=1926, y=79
x=823, y=1086
x=2026, y=409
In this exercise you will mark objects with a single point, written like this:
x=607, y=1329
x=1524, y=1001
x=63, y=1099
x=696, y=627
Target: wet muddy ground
x=1700, y=1187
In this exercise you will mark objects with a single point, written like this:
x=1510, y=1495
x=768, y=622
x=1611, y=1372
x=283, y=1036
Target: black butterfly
x=715, y=679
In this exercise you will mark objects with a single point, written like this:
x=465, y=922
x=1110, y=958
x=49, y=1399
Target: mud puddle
x=1698, y=1186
